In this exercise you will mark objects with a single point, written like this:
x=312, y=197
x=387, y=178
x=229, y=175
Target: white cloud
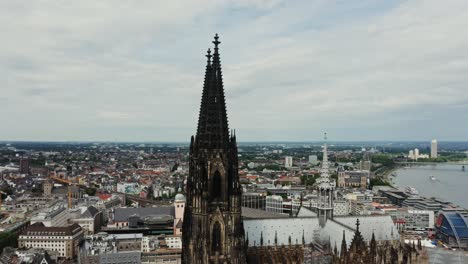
x=292, y=69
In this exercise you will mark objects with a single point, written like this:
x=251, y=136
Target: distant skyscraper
x=434, y=148
x=411, y=154
x=416, y=153
x=24, y=165
x=288, y=162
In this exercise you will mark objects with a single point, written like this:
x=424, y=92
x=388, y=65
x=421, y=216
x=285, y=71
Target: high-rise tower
x=326, y=187
x=212, y=228
x=434, y=148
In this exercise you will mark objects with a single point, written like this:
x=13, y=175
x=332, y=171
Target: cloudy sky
x=133, y=70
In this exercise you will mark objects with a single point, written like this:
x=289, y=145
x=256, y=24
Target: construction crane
x=69, y=192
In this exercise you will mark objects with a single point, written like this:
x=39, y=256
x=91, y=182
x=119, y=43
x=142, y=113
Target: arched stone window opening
x=216, y=185
x=216, y=238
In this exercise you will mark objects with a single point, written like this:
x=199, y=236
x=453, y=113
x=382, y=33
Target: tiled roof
x=39, y=229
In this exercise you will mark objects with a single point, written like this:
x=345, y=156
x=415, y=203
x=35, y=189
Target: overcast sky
x=133, y=70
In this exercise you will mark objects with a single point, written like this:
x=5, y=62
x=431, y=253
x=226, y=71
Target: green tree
x=378, y=181
x=309, y=179
x=385, y=160
x=91, y=191
x=8, y=239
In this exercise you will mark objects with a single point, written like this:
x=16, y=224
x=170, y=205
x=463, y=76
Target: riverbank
x=448, y=183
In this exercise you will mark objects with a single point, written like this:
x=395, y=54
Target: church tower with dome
x=179, y=207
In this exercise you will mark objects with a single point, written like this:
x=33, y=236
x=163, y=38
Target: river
x=450, y=184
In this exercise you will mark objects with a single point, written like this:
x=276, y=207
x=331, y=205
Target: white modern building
x=274, y=203
x=407, y=219
x=415, y=155
x=128, y=187
x=174, y=242
x=57, y=215
x=434, y=148
x=288, y=161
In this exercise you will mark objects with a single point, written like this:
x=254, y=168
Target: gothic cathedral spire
x=326, y=187
x=213, y=231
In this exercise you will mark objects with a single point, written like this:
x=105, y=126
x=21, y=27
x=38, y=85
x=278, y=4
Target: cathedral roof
x=381, y=225
x=309, y=227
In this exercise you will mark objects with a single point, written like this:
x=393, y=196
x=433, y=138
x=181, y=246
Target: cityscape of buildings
x=217, y=201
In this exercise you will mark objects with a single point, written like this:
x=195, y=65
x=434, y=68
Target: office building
x=288, y=161
x=407, y=219
x=434, y=149
x=24, y=165
x=274, y=203
x=254, y=200
x=64, y=240
x=56, y=215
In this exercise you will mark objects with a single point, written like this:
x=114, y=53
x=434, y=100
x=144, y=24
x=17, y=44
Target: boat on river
x=411, y=190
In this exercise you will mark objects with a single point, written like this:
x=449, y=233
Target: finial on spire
x=208, y=55
x=357, y=224
x=216, y=41
x=325, y=136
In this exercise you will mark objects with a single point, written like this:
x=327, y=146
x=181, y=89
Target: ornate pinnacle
x=208, y=55
x=216, y=41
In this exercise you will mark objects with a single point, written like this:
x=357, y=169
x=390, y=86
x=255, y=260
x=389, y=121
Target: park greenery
x=309, y=179
x=378, y=181
x=8, y=239
x=90, y=191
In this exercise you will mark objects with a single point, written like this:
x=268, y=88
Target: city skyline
x=130, y=72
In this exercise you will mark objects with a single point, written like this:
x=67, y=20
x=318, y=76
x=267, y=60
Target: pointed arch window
x=216, y=237
x=216, y=185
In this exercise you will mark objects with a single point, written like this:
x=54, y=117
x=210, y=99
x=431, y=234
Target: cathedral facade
x=213, y=231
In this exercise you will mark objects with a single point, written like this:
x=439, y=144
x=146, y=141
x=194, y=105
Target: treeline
x=8, y=239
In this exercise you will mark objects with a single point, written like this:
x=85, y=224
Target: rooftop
x=39, y=229
x=122, y=214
